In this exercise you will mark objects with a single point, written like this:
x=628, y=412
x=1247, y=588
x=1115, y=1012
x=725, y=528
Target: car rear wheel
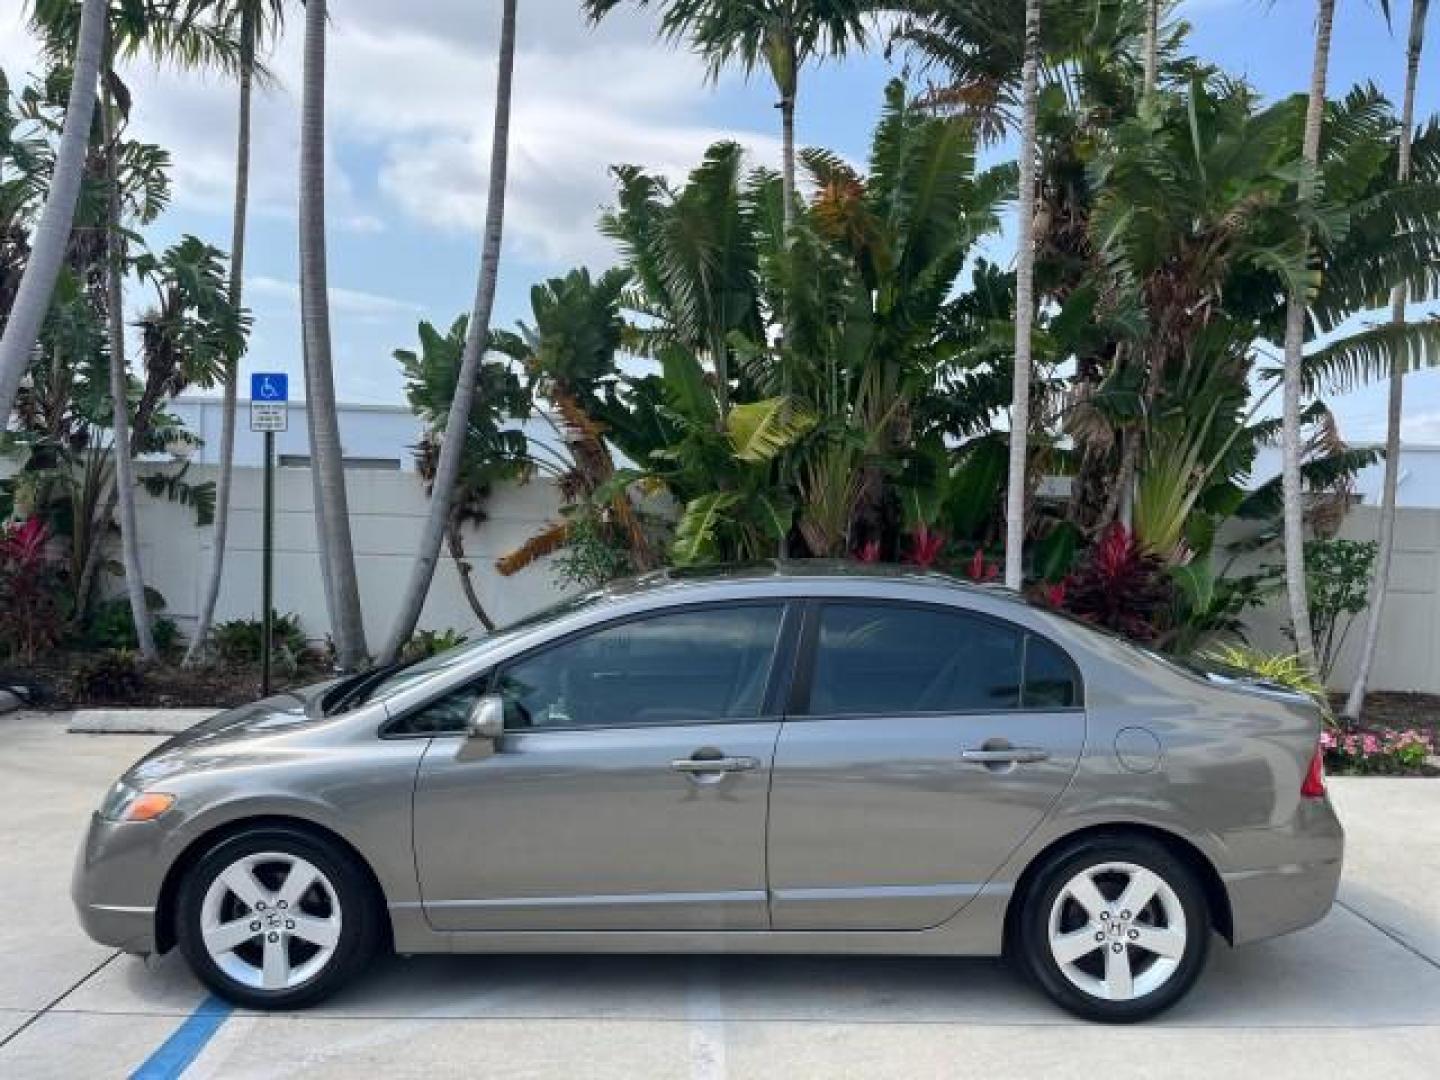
x=1115, y=929
x=276, y=918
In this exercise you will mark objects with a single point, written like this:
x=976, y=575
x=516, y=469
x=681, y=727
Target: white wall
x=386, y=515
x=1408, y=654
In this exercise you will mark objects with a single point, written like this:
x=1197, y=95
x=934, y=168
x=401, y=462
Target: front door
x=932, y=743
x=629, y=791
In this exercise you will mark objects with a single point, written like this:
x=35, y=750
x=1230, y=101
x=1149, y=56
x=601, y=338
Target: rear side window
x=886, y=658
x=1051, y=680
x=892, y=659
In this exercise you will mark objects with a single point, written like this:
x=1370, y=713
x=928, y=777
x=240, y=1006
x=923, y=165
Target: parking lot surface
x=1357, y=995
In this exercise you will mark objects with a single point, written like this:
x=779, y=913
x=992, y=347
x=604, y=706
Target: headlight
x=126, y=803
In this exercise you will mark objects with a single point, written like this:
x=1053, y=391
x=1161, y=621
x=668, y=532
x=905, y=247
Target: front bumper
x=1293, y=875
x=117, y=881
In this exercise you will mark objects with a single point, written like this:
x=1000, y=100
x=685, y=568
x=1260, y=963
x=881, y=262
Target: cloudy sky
x=410, y=103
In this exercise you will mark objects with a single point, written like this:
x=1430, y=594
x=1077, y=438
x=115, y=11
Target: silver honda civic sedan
x=787, y=758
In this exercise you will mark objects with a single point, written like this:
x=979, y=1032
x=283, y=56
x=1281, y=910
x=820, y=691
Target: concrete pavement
x=1357, y=995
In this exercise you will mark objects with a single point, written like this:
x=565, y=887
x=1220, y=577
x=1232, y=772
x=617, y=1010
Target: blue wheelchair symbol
x=269, y=386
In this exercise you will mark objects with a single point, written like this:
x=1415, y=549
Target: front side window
x=696, y=666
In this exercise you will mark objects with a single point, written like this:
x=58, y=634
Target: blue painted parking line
x=176, y=1053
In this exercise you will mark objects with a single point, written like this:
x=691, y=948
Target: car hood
x=278, y=712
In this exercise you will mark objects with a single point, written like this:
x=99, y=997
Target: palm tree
x=120, y=379
x=1290, y=438
x=452, y=448
x=783, y=35
x=332, y=510
x=53, y=233
x=1024, y=302
x=259, y=21
x=1419, y=10
x=1151, y=49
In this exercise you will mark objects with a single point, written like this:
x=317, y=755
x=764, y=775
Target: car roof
x=783, y=572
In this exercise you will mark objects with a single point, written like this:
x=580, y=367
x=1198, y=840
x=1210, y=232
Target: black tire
x=1033, y=927
x=358, y=910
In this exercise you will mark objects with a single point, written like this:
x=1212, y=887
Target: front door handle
x=715, y=765
x=1008, y=755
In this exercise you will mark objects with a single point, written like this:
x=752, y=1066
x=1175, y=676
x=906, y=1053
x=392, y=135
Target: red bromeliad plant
x=926, y=547
x=1120, y=587
x=980, y=569
x=29, y=591
x=868, y=552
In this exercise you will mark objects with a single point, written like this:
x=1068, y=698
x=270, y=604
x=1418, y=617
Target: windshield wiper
x=354, y=690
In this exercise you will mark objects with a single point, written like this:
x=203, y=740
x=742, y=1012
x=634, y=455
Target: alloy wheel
x=1117, y=931
x=271, y=921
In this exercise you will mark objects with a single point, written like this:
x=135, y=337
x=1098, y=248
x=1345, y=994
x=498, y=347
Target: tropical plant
x=327, y=470
x=492, y=452
x=116, y=676
x=1395, y=406
x=439, y=521
x=28, y=307
x=242, y=641
x=783, y=35
x=31, y=594
x=1337, y=584
x=111, y=626
x=1121, y=587
x=254, y=24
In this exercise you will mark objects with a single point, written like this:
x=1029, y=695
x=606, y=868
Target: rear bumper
x=1294, y=877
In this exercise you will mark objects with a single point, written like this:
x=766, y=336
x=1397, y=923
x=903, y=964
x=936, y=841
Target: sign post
x=269, y=413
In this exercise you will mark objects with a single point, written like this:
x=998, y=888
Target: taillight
x=1314, y=785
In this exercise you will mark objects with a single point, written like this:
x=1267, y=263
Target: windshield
x=385, y=682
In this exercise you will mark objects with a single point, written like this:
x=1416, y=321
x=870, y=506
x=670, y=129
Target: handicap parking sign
x=269, y=386
x=269, y=391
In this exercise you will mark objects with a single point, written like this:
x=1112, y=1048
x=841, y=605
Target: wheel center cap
x=273, y=920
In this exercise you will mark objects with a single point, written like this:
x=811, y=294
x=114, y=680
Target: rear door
x=930, y=743
x=629, y=791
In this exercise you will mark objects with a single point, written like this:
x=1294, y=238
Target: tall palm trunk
x=452, y=446
x=120, y=382
x=1294, y=344
x=1024, y=305
x=1419, y=9
x=1152, y=49
x=52, y=234
x=232, y=367
x=332, y=511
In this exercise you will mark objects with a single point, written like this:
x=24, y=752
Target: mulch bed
x=165, y=686
x=1390, y=709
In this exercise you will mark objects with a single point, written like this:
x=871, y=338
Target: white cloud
x=342, y=301
x=411, y=87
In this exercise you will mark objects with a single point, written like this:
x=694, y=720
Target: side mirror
x=487, y=718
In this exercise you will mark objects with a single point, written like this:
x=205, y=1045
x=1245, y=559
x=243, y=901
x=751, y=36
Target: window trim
x=798, y=709
x=777, y=678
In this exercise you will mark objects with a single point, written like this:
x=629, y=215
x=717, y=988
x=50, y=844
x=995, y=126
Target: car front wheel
x=1115, y=929
x=276, y=918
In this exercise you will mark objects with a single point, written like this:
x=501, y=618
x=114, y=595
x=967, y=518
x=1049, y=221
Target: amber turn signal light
x=148, y=807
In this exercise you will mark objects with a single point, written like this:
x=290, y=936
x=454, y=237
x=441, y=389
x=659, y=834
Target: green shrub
x=424, y=644
x=240, y=641
x=114, y=675
x=111, y=627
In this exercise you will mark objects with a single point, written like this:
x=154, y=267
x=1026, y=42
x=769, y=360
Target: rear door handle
x=715, y=765
x=1009, y=755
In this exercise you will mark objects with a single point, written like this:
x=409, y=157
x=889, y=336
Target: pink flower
x=869, y=552
x=1327, y=740
x=1371, y=744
